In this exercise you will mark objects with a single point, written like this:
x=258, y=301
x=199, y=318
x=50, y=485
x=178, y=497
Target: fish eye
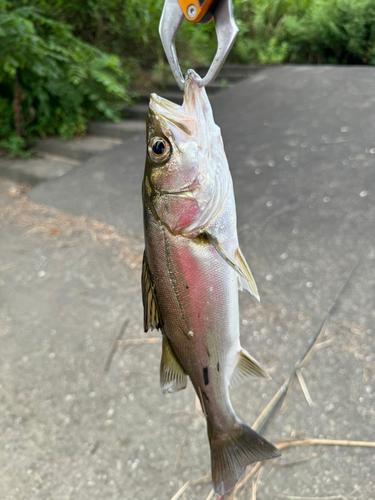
x=158, y=149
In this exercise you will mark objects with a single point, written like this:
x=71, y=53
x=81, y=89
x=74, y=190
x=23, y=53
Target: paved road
x=301, y=146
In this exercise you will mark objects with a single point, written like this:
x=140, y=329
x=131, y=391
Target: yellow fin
x=150, y=306
x=172, y=375
x=247, y=367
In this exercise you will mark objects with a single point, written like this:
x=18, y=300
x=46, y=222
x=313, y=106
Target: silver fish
x=192, y=270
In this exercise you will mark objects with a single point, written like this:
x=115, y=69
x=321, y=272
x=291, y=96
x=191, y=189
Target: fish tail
x=232, y=452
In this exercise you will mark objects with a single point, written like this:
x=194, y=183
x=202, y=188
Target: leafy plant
x=50, y=81
x=57, y=71
x=305, y=31
x=333, y=32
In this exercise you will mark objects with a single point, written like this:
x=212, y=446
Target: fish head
x=186, y=173
x=172, y=154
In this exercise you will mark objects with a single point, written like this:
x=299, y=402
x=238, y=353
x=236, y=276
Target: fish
x=192, y=270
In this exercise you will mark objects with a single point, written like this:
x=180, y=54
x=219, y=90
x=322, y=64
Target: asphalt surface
x=301, y=146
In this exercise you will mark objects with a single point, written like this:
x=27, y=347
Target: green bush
x=282, y=31
x=305, y=31
x=332, y=32
x=56, y=71
x=127, y=28
x=50, y=81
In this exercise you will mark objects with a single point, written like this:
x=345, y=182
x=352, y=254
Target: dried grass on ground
x=64, y=229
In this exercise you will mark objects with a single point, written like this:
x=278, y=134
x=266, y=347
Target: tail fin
x=231, y=453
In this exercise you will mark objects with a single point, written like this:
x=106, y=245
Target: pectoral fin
x=247, y=367
x=150, y=306
x=172, y=375
x=239, y=264
x=246, y=279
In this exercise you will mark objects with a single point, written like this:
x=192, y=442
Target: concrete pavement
x=300, y=142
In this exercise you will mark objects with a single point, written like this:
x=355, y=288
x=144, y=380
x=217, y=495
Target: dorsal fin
x=151, y=313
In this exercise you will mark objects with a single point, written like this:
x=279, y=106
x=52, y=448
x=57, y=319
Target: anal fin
x=247, y=367
x=172, y=375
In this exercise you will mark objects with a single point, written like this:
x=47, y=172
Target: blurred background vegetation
x=64, y=62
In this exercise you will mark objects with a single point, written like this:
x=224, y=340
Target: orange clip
x=198, y=11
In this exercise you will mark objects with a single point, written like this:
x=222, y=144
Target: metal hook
x=226, y=32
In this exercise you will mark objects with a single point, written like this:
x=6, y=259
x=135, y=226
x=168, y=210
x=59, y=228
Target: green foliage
x=284, y=31
x=333, y=31
x=50, y=81
x=127, y=28
x=305, y=31
x=57, y=71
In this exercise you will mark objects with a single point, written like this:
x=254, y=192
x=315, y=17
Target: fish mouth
x=171, y=114
x=158, y=104
x=161, y=105
x=186, y=117
x=195, y=114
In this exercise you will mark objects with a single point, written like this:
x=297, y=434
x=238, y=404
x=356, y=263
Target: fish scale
x=192, y=270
